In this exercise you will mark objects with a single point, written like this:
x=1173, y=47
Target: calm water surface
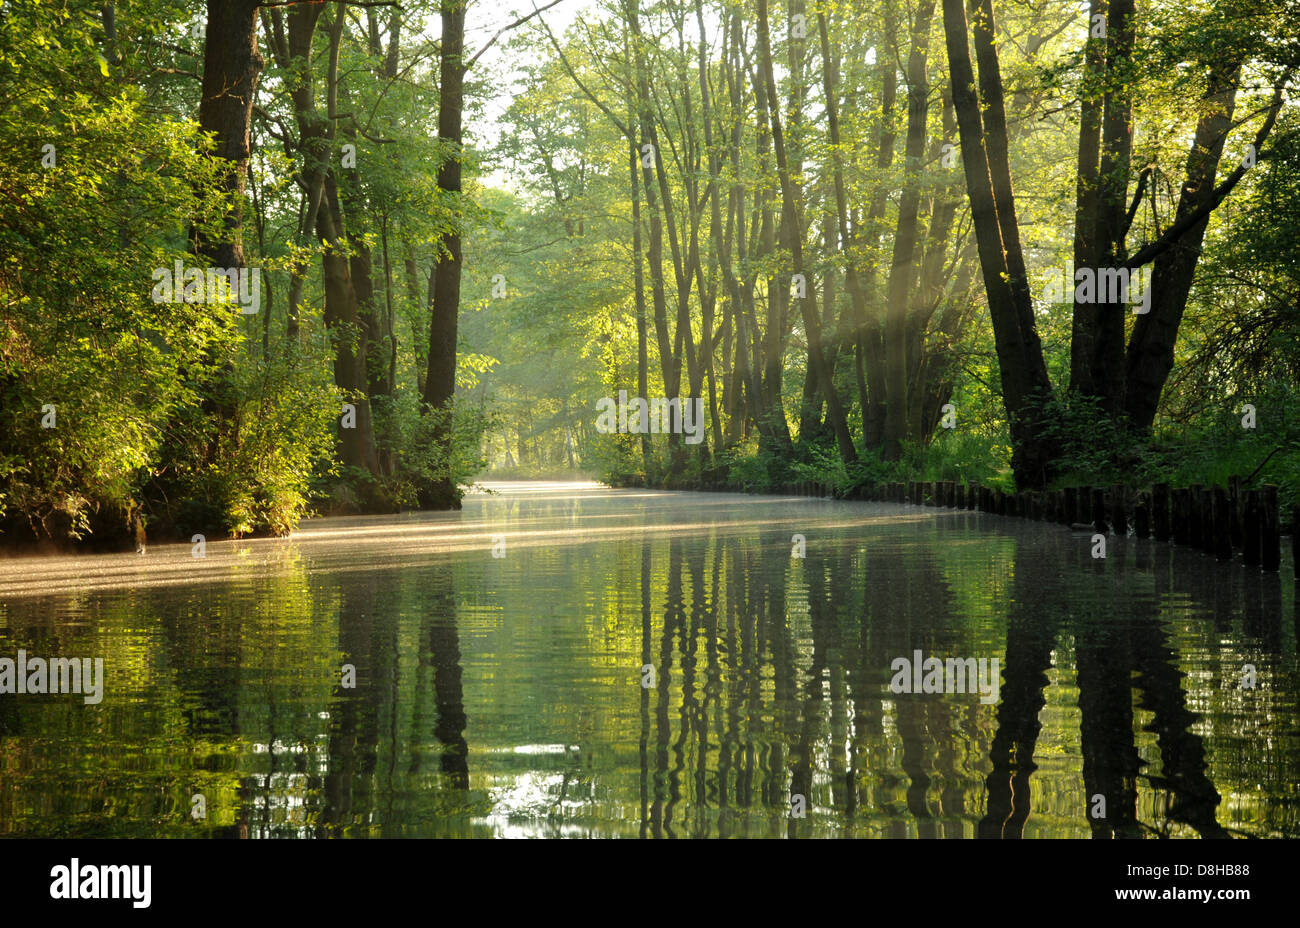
x=503, y=695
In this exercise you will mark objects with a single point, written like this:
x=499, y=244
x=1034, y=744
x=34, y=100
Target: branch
x=518, y=22
x=583, y=87
x=1151, y=251
x=364, y=3
x=1137, y=202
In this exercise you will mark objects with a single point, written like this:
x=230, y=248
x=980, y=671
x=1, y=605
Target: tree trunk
x=1087, y=192
x=1020, y=354
x=232, y=66
x=1107, y=357
x=790, y=202
x=902, y=271
x=444, y=305
x=1150, y=355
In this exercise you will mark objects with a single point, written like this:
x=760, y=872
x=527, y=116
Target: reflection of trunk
x=645, y=690
x=988, y=184
x=772, y=610
x=1031, y=638
x=367, y=637
x=443, y=655
x=1182, y=752
x=1110, y=761
x=825, y=641
x=661, y=809
x=444, y=295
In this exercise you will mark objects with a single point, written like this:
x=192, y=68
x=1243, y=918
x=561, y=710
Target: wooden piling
x=1178, y=516
x=1118, y=509
x=1250, y=536
x=1222, y=525
x=1208, y=542
x=1142, y=515
x=1295, y=537
x=1160, y=511
x=1194, y=515
x=1234, y=511
x=1098, y=496
x=1270, y=529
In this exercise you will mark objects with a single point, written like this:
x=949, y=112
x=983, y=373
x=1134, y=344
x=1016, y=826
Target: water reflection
x=504, y=696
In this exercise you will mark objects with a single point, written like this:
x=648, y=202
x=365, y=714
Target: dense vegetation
x=805, y=219
x=853, y=230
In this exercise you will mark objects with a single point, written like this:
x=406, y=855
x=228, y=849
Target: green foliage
x=421, y=461
x=250, y=471
x=91, y=369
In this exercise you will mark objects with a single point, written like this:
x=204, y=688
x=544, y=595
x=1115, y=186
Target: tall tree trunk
x=232, y=66
x=1087, y=192
x=720, y=249
x=638, y=277
x=342, y=316
x=1107, y=359
x=774, y=433
x=444, y=308
x=790, y=199
x=1150, y=354
x=1020, y=354
x=902, y=271
x=669, y=360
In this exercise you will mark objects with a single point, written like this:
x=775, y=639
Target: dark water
x=503, y=695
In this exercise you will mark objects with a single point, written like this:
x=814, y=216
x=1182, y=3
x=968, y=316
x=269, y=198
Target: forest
x=267, y=260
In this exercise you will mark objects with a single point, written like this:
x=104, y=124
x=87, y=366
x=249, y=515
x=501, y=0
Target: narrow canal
x=569, y=660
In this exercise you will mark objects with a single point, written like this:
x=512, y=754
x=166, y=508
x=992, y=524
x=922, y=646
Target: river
x=562, y=659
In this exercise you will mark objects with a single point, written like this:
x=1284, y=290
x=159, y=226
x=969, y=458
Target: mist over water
x=503, y=695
